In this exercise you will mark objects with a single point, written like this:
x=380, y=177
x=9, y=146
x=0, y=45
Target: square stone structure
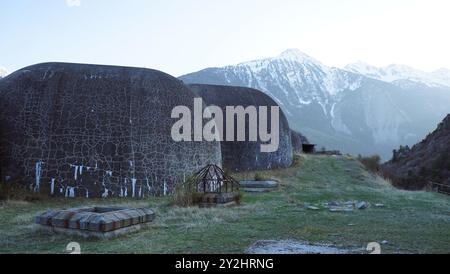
x=96, y=222
x=258, y=186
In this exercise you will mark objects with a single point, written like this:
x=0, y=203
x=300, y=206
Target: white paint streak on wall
x=126, y=188
x=38, y=176
x=148, y=186
x=133, y=186
x=71, y=192
x=52, y=186
x=106, y=193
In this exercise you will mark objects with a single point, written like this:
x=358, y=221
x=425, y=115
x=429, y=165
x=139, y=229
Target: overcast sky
x=181, y=36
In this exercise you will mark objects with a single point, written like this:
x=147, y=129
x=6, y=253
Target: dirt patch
x=293, y=247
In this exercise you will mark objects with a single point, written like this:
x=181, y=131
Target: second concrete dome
x=245, y=156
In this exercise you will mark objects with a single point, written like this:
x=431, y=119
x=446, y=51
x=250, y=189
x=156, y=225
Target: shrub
x=441, y=162
x=297, y=161
x=17, y=192
x=185, y=194
x=371, y=163
x=261, y=177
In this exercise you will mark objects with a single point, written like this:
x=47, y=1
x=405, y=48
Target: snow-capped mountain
x=337, y=108
x=394, y=73
x=285, y=78
x=443, y=75
x=3, y=72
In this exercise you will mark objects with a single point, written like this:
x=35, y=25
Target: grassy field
x=411, y=222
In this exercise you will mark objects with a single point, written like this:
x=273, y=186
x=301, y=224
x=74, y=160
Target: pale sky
x=182, y=36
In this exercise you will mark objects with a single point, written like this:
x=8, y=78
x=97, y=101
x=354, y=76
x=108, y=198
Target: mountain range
x=393, y=73
x=360, y=109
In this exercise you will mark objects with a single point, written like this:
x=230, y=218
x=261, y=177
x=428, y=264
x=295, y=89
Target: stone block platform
x=96, y=222
x=217, y=199
x=258, y=186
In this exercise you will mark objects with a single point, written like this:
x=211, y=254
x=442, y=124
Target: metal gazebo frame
x=212, y=179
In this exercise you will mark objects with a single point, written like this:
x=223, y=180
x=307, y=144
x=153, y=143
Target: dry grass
x=412, y=222
x=204, y=218
x=371, y=163
x=185, y=194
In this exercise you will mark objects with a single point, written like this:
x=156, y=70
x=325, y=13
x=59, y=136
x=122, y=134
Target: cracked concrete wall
x=246, y=156
x=95, y=131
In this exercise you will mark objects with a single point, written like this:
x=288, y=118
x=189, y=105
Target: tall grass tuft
x=371, y=163
x=185, y=194
x=14, y=191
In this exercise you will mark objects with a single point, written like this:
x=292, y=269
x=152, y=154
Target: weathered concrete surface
x=245, y=156
x=95, y=234
x=95, y=131
x=217, y=198
x=257, y=190
x=297, y=141
x=98, y=222
x=258, y=184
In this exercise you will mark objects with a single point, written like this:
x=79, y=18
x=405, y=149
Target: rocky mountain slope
x=337, y=108
x=393, y=73
x=427, y=161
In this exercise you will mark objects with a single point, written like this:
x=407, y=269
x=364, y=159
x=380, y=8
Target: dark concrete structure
x=309, y=148
x=297, y=141
x=245, y=156
x=95, y=131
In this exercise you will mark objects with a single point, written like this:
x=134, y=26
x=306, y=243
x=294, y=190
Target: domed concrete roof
x=95, y=131
x=244, y=156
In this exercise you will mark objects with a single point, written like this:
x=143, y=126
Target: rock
x=414, y=168
x=341, y=209
x=362, y=205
